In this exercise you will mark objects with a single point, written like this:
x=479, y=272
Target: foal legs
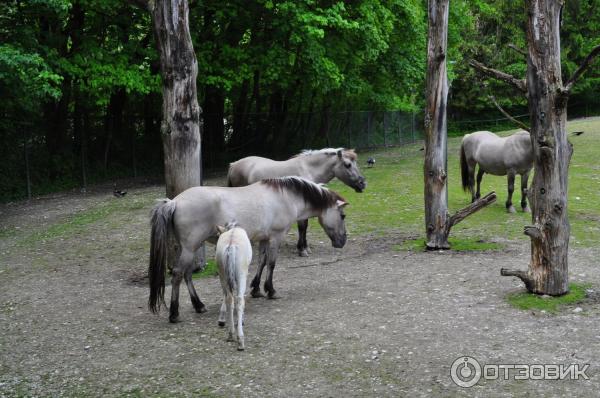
x=524, y=178
x=479, y=177
x=262, y=261
x=303, y=250
x=511, y=188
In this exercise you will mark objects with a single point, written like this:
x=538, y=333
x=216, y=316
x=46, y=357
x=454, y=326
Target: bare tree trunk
x=436, y=190
x=548, y=269
x=437, y=220
x=180, y=127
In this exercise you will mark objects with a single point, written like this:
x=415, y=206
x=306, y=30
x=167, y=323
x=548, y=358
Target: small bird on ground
x=370, y=162
x=577, y=132
x=118, y=193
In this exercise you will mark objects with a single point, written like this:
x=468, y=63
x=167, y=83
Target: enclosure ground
x=367, y=320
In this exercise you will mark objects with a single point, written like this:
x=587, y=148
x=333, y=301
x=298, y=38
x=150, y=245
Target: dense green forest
x=80, y=83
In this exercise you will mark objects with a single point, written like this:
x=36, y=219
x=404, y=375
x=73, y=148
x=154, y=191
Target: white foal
x=233, y=254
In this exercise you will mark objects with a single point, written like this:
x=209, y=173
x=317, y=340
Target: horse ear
x=341, y=204
x=339, y=153
x=220, y=229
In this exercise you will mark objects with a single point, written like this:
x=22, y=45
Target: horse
x=265, y=209
x=499, y=156
x=319, y=166
x=233, y=255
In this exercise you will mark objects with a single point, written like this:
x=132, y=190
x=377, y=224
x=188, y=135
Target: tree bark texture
x=180, y=127
x=436, y=162
x=548, y=269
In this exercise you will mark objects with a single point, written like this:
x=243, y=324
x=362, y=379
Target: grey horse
x=498, y=156
x=319, y=166
x=266, y=210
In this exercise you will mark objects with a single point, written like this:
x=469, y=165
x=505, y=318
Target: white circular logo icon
x=465, y=372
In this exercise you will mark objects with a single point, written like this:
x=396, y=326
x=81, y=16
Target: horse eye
x=343, y=216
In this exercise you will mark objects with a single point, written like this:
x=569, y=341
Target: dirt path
x=362, y=321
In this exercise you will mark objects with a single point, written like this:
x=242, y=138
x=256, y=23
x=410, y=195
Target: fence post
x=384, y=129
x=27, y=173
x=412, y=126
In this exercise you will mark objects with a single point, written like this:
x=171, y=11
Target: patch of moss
x=456, y=244
x=530, y=301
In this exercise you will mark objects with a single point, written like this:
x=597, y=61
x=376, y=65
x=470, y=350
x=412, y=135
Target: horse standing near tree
x=233, y=255
x=266, y=210
x=498, y=156
x=319, y=166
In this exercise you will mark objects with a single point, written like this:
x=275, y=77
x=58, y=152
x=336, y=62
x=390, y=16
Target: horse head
x=346, y=170
x=332, y=221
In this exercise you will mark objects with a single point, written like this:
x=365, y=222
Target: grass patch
x=530, y=301
x=79, y=222
x=456, y=244
x=211, y=269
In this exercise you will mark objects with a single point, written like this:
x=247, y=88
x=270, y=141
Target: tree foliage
x=80, y=84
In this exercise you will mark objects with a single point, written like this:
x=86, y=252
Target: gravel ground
x=362, y=321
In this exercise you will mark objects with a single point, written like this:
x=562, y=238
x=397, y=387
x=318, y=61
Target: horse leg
x=303, y=250
x=472, y=181
x=511, y=188
x=184, y=262
x=262, y=260
x=240, y=304
x=524, y=179
x=223, y=311
x=480, y=173
x=230, y=308
x=272, y=259
x=198, y=305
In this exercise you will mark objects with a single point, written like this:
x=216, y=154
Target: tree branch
x=517, y=49
x=470, y=209
x=582, y=68
x=509, y=117
x=519, y=84
x=533, y=232
x=524, y=276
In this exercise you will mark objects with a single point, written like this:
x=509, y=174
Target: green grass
x=455, y=243
x=393, y=200
x=211, y=269
x=530, y=301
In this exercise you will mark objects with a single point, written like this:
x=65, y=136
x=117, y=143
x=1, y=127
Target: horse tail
x=231, y=268
x=161, y=227
x=464, y=167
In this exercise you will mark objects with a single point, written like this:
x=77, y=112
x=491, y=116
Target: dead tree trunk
x=547, y=96
x=437, y=220
x=436, y=162
x=180, y=127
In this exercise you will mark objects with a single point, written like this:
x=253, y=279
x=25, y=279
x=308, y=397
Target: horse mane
x=349, y=153
x=316, y=195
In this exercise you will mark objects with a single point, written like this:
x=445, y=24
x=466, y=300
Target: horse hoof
x=526, y=210
x=221, y=324
x=273, y=296
x=256, y=294
x=174, y=319
x=230, y=338
x=241, y=348
x=511, y=209
x=200, y=310
x=303, y=253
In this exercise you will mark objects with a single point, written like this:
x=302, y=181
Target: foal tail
x=161, y=223
x=464, y=167
x=231, y=268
